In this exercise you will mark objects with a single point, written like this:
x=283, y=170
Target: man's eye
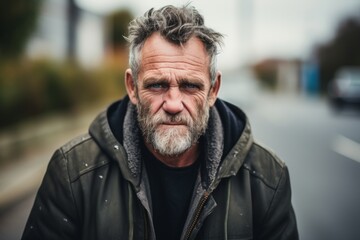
x=190, y=86
x=156, y=86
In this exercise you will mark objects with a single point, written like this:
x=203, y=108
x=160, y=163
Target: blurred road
x=320, y=148
x=35, y=143
x=322, y=151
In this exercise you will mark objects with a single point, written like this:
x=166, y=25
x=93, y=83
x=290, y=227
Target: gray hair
x=177, y=25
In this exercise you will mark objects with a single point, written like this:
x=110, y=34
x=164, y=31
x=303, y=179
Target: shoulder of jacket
x=82, y=155
x=265, y=165
x=75, y=142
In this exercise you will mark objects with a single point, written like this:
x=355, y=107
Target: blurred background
x=293, y=66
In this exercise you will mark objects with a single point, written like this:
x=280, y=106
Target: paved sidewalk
x=22, y=174
x=20, y=179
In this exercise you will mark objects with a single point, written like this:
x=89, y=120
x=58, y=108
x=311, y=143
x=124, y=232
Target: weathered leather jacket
x=96, y=186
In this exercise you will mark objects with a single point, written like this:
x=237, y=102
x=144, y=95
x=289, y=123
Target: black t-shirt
x=171, y=191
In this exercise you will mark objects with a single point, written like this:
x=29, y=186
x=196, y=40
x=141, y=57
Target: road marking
x=347, y=147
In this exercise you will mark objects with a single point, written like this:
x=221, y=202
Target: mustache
x=164, y=118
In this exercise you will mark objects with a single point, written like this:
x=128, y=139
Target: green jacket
x=96, y=186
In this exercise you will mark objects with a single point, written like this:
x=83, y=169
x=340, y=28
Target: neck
x=182, y=160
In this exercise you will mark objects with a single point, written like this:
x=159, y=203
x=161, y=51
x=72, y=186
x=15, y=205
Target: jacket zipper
x=146, y=231
x=197, y=214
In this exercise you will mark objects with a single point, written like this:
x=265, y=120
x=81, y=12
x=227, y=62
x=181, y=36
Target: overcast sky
x=256, y=29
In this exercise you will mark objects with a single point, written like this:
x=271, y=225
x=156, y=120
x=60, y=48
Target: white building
x=53, y=39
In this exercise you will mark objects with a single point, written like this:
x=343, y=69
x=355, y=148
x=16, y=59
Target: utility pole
x=246, y=30
x=73, y=17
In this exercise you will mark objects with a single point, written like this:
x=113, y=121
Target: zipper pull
x=197, y=214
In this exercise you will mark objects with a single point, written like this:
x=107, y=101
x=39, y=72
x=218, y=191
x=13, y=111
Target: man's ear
x=130, y=86
x=214, y=89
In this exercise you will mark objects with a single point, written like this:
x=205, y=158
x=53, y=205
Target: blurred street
x=321, y=149
x=312, y=141
x=20, y=178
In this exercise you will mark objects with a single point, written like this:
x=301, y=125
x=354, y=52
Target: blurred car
x=344, y=89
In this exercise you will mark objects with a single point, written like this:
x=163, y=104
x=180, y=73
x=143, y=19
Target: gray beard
x=172, y=141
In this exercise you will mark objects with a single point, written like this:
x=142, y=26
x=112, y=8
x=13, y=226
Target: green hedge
x=32, y=88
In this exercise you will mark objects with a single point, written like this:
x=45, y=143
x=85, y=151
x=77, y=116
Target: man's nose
x=173, y=101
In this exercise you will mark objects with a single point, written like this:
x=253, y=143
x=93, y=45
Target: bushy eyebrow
x=181, y=82
x=147, y=83
x=196, y=82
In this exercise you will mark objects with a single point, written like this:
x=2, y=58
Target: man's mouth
x=173, y=123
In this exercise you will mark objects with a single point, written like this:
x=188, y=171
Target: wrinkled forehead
x=159, y=53
x=157, y=44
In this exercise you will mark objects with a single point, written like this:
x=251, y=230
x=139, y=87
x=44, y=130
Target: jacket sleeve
x=280, y=222
x=54, y=214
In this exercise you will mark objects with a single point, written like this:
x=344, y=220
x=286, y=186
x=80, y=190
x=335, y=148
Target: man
x=170, y=160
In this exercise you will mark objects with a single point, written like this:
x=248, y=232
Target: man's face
x=173, y=94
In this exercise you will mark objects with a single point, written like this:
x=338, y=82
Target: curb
x=21, y=179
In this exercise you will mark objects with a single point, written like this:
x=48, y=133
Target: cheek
x=195, y=103
x=153, y=102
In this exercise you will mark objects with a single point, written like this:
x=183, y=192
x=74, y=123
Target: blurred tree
x=18, y=20
x=32, y=88
x=266, y=72
x=116, y=25
x=342, y=50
